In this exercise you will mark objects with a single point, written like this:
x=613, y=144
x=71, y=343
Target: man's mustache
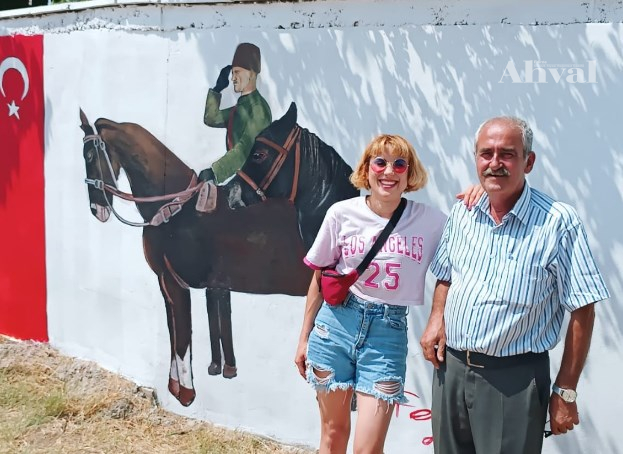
x=502, y=172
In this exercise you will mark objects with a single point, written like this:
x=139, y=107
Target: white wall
x=430, y=72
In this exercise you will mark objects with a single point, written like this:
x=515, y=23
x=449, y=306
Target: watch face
x=568, y=395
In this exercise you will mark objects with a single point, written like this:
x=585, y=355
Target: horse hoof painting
x=184, y=395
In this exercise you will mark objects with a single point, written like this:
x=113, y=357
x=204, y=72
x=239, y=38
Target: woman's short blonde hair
x=400, y=148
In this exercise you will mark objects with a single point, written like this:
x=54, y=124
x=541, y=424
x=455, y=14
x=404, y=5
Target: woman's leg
x=373, y=417
x=334, y=420
x=331, y=370
x=380, y=373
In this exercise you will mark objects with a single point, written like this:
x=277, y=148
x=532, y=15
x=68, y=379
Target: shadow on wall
x=435, y=85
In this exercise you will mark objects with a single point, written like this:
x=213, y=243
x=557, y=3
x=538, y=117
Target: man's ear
x=530, y=162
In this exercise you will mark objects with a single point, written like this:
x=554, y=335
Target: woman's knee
x=335, y=436
x=336, y=430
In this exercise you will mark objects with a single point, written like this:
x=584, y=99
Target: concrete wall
x=431, y=71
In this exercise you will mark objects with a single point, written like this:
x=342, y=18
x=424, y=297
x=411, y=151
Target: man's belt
x=482, y=361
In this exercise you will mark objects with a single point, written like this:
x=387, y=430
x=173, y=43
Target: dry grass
x=54, y=404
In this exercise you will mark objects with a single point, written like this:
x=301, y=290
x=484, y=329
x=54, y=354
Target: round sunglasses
x=379, y=164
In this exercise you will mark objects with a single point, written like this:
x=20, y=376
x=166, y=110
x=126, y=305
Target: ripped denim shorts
x=363, y=345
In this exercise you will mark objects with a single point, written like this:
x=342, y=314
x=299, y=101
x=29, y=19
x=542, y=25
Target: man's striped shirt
x=511, y=283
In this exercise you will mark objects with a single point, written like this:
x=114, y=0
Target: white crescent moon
x=16, y=64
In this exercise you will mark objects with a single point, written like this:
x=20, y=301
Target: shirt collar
x=521, y=208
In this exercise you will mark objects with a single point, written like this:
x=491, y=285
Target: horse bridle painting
x=293, y=140
x=175, y=201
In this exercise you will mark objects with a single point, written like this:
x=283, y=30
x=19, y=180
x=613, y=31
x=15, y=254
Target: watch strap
x=562, y=391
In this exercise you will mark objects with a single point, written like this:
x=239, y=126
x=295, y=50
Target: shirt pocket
x=521, y=285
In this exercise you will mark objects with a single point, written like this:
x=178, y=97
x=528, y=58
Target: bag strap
x=380, y=241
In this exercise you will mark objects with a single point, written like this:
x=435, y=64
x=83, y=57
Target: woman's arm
x=312, y=306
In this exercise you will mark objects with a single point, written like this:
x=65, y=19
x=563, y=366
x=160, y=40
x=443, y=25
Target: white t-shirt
x=397, y=274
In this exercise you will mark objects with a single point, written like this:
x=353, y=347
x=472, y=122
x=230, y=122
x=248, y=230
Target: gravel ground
x=51, y=403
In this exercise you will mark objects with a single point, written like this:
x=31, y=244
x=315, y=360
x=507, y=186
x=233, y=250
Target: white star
x=13, y=109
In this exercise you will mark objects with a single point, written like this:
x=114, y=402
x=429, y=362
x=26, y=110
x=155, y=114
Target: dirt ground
x=50, y=403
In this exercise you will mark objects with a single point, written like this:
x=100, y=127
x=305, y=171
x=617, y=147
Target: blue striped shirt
x=511, y=283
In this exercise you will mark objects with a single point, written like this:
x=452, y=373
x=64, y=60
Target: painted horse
x=255, y=250
x=290, y=162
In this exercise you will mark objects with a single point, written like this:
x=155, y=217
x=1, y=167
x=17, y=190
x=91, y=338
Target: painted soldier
x=245, y=120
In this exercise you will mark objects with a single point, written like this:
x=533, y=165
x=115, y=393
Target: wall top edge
x=149, y=15
x=92, y=4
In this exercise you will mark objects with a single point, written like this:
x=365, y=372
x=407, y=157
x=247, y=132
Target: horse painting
x=256, y=250
x=290, y=162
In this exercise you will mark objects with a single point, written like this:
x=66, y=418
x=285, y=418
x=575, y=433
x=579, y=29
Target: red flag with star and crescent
x=22, y=220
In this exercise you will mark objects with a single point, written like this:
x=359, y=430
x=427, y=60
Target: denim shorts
x=362, y=345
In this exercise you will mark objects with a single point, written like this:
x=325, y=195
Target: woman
x=361, y=345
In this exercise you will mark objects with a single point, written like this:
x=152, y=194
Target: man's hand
x=207, y=175
x=563, y=416
x=223, y=79
x=433, y=341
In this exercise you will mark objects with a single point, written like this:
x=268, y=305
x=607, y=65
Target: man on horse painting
x=245, y=120
x=243, y=123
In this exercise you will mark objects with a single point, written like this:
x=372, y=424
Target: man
x=507, y=270
x=243, y=121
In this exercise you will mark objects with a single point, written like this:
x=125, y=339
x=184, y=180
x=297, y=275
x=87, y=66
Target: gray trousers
x=490, y=410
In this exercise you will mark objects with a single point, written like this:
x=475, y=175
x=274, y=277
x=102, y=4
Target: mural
x=225, y=250
x=258, y=249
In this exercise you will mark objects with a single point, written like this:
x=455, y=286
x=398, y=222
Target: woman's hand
x=300, y=358
x=471, y=195
x=312, y=306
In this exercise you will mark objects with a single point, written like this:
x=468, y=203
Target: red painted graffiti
x=419, y=414
x=423, y=414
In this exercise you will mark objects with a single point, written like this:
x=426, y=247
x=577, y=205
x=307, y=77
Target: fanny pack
x=334, y=286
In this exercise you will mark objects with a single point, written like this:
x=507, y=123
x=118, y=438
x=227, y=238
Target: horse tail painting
x=222, y=251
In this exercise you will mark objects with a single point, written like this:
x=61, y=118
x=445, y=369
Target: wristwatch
x=568, y=395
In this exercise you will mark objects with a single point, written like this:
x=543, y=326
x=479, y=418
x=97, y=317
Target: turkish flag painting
x=22, y=220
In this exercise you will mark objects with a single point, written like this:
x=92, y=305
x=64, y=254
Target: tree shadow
x=432, y=84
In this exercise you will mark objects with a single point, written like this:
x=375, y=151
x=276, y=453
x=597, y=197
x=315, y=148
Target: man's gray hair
x=524, y=128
